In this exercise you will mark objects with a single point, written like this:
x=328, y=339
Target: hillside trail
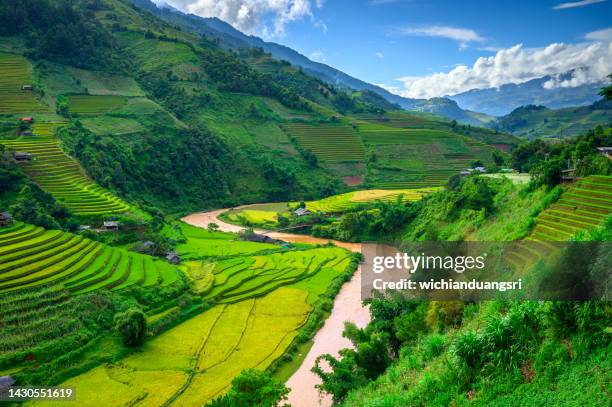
x=329, y=339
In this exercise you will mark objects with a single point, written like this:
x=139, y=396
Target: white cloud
x=574, y=4
x=250, y=16
x=590, y=63
x=462, y=35
x=379, y=55
x=600, y=35
x=317, y=56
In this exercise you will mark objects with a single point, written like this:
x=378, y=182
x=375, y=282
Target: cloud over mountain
x=267, y=18
x=589, y=63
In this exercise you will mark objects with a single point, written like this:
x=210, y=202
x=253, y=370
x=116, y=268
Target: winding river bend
x=347, y=307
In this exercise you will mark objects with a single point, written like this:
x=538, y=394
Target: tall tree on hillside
x=606, y=91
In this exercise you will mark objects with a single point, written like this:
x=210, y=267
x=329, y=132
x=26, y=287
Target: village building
x=5, y=219
x=84, y=227
x=568, y=175
x=301, y=212
x=173, y=258
x=5, y=383
x=27, y=119
x=27, y=87
x=605, y=151
x=111, y=224
x=259, y=238
x=21, y=156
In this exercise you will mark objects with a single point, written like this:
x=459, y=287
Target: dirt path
x=347, y=307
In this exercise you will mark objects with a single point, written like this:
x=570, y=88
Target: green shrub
x=432, y=346
x=442, y=314
x=468, y=348
x=132, y=327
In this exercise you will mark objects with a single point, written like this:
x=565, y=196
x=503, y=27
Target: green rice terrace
x=402, y=157
x=94, y=104
x=582, y=206
x=328, y=142
x=262, y=297
x=31, y=256
x=57, y=173
x=16, y=72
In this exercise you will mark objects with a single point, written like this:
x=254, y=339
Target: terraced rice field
x=416, y=158
x=16, y=71
x=94, y=105
x=263, y=301
x=57, y=173
x=31, y=256
x=339, y=203
x=328, y=142
x=583, y=206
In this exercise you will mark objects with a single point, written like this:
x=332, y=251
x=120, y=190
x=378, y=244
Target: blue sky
x=422, y=42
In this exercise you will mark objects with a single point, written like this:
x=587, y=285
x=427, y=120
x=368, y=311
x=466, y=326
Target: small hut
x=27, y=87
x=173, y=258
x=5, y=383
x=568, y=175
x=27, y=119
x=111, y=224
x=21, y=156
x=27, y=133
x=5, y=219
x=301, y=212
x=605, y=151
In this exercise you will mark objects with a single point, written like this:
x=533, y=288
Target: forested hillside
x=540, y=122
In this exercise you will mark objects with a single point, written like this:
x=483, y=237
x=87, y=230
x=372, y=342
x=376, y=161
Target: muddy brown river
x=347, y=307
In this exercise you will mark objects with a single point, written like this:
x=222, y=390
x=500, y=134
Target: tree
x=548, y=172
x=475, y=194
x=131, y=326
x=253, y=388
x=477, y=163
x=498, y=158
x=606, y=92
x=212, y=227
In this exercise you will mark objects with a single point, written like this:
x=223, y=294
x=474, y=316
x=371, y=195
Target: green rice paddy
x=583, y=206
x=94, y=105
x=262, y=299
x=329, y=142
x=57, y=173
x=405, y=156
x=15, y=72
x=31, y=257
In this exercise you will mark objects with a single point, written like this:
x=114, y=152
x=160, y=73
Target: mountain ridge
x=504, y=99
x=231, y=38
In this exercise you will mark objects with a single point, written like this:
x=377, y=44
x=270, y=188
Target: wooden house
x=301, y=212
x=111, y=224
x=21, y=156
x=5, y=219
x=173, y=258
x=5, y=383
x=605, y=151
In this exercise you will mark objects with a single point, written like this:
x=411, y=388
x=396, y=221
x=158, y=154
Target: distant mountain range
x=539, y=121
x=503, y=100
